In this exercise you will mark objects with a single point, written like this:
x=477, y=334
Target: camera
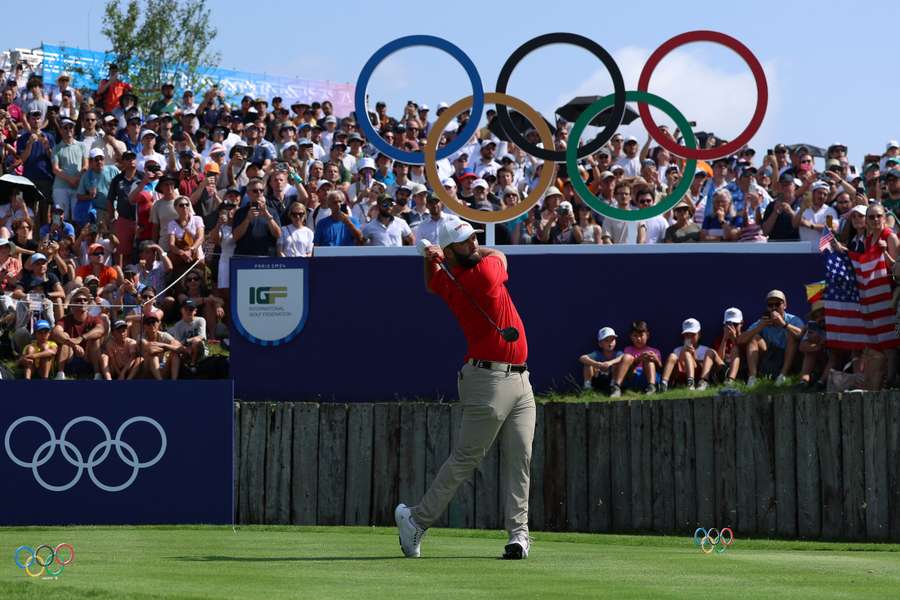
x=154, y=168
x=562, y=210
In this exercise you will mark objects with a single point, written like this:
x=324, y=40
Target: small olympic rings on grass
x=45, y=557
x=713, y=540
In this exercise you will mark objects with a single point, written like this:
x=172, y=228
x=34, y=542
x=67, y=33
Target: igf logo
x=267, y=294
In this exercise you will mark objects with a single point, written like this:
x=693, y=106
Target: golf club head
x=510, y=334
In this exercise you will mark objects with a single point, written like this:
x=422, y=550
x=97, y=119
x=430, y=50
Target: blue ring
x=362, y=114
x=16, y=556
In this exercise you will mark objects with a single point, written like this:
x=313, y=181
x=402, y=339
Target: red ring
x=762, y=94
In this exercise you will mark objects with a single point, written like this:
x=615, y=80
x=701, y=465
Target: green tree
x=161, y=40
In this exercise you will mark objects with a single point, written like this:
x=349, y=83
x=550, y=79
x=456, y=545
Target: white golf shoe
x=516, y=549
x=410, y=533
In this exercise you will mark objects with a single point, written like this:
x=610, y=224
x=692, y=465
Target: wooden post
x=305, y=464
x=684, y=465
x=853, y=461
x=253, y=451
x=437, y=446
x=641, y=465
x=762, y=421
x=875, y=437
x=384, y=463
x=577, y=513
x=599, y=481
x=663, y=499
x=746, y=473
x=555, y=467
x=536, y=486
x=620, y=466
x=360, y=428
x=279, y=417
x=332, y=463
x=785, y=467
x=411, y=454
x=809, y=505
x=706, y=463
x=893, y=436
x=726, y=473
x=828, y=422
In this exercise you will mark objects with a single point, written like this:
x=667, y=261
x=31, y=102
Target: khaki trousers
x=493, y=402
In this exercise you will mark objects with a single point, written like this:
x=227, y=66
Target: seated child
x=689, y=360
x=120, y=359
x=598, y=365
x=640, y=363
x=812, y=347
x=728, y=353
x=39, y=354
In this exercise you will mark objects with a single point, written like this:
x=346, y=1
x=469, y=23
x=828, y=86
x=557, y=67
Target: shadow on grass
x=317, y=558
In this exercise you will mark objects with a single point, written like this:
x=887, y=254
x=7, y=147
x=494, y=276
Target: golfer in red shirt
x=494, y=388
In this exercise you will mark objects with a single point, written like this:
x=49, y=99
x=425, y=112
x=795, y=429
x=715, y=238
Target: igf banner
x=118, y=452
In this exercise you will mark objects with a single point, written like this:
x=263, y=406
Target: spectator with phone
x=256, y=230
x=684, y=229
x=778, y=218
x=79, y=336
x=120, y=359
x=338, y=228
x=814, y=371
x=69, y=159
x=640, y=365
x=688, y=362
x=771, y=341
x=31, y=307
x=93, y=190
x=723, y=225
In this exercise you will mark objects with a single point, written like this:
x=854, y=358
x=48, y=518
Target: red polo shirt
x=485, y=282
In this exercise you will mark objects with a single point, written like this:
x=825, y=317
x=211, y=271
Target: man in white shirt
x=630, y=160
x=387, y=230
x=428, y=228
x=812, y=220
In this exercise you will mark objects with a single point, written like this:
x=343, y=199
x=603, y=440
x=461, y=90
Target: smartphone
x=56, y=219
x=770, y=152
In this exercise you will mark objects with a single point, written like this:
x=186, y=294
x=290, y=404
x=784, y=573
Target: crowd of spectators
x=142, y=202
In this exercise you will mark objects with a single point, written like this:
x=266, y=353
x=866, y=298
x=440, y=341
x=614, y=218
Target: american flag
x=858, y=311
x=825, y=240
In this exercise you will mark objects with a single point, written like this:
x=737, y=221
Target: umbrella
x=13, y=183
x=815, y=151
x=521, y=123
x=571, y=111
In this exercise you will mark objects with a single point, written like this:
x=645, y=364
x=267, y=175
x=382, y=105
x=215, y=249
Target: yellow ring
x=703, y=545
x=482, y=216
x=30, y=574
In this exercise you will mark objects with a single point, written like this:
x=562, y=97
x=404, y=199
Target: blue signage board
x=117, y=452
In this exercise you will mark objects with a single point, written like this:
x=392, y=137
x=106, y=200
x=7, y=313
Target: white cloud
x=719, y=100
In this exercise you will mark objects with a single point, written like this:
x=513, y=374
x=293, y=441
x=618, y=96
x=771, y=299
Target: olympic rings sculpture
x=709, y=543
x=430, y=153
x=73, y=455
x=49, y=564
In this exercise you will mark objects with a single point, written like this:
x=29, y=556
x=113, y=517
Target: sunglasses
x=297, y=214
x=99, y=253
x=256, y=191
x=192, y=279
x=875, y=217
x=183, y=205
x=645, y=201
x=773, y=304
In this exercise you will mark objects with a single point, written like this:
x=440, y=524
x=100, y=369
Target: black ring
x=52, y=555
x=618, y=108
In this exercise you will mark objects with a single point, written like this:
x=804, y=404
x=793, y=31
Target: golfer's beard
x=467, y=262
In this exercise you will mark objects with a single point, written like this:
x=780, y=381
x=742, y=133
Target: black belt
x=498, y=366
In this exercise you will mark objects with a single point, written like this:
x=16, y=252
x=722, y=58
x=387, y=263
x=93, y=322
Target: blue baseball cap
x=42, y=325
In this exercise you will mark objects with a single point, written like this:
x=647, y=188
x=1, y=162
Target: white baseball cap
x=690, y=326
x=448, y=182
x=892, y=144
x=605, y=332
x=819, y=185
x=733, y=315
x=452, y=232
x=417, y=188
x=365, y=163
x=95, y=152
x=480, y=183
x=443, y=105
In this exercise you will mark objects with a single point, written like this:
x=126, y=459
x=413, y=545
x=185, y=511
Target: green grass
x=763, y=386
x=362, y=563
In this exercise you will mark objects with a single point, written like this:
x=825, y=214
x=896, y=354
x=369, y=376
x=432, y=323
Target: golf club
x=509, y=334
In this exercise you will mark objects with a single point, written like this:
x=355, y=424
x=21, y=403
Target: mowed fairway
x=361, y=563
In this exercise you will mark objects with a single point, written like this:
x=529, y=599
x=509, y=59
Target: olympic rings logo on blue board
x=431, y=153
x=74, y=457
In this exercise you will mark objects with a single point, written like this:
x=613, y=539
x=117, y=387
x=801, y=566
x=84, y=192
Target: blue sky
x=826, y=62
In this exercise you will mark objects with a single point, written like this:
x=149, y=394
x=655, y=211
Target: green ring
x=615, y=212
x=55, y=573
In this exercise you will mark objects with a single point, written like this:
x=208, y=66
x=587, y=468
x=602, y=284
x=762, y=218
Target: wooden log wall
x=794, y=466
